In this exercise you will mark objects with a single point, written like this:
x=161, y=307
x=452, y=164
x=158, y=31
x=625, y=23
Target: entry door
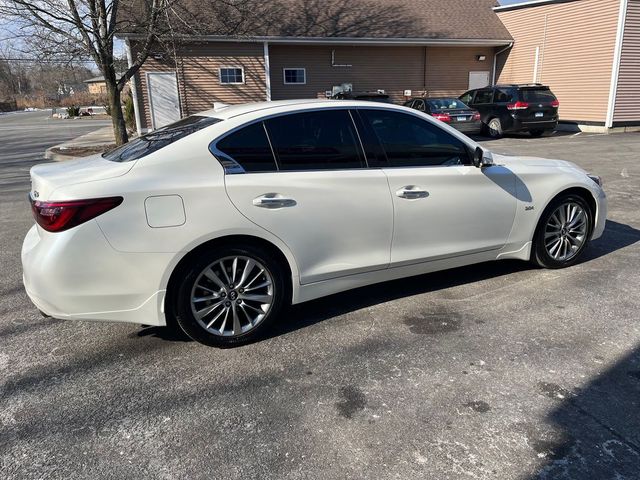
x=335, y=215
x=464, y=210
x=478, y=79
x=163, y=98
x=443, y=206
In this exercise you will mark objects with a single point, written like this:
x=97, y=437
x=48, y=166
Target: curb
x=49, y=154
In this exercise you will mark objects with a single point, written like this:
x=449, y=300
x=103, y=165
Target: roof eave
x=452, y=42
x=528, y=4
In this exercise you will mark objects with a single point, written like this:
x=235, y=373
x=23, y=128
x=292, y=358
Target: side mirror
x=482, y=158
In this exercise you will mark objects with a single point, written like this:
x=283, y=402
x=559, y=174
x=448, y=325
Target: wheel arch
x=233, y=239
x=579, y=191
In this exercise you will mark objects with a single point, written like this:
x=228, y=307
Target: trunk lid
x=48, y=177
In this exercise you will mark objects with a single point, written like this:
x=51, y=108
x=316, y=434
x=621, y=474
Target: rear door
x=444, y=206
x=305, y=180
x=542, y=105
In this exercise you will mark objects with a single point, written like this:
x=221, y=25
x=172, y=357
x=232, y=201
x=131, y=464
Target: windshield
x=159, y=138
x=445, y=104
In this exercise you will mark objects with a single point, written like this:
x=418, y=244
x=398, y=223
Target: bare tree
x=86, y=28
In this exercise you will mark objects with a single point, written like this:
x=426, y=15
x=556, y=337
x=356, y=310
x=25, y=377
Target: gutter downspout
x=134, y=88
x=267, y=71
x=615, y=69
x=495, y=62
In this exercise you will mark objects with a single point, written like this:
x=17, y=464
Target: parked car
x=449, y=110
x=216, y=222
x=368, y=96
x=529, y=108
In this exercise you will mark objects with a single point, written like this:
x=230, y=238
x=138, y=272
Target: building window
x=295, y=76
x=231, y=75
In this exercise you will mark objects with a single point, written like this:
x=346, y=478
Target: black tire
x=494, y=128
x=194, y=272
x=540, y=254
x=536, y=133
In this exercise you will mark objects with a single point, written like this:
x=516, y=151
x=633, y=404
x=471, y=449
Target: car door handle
x=412, y=192
x=273, y=200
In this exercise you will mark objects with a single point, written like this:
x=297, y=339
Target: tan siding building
x=578, y=49
x=627, y=106
x=414, y=47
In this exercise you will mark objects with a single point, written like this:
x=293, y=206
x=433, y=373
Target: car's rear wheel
x=230, y=295
x=494, y=128
x=563, y=232
x=536, y=133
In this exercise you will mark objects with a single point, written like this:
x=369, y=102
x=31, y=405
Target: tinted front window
x=412, y=142
x=538, y=96
x=483, y=96
x=467, y=98
x=322, y=140
x=159, y=138
x=249, y=148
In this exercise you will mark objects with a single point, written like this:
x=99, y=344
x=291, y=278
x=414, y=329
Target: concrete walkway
x=88, y=144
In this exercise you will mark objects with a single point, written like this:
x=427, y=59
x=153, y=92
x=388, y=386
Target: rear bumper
x=76, y=274
x=468, y=127
x=526, y=125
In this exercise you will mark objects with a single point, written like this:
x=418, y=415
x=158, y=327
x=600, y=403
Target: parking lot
x=495, y=371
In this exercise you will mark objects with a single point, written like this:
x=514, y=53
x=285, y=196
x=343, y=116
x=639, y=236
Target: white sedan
x=217, y=222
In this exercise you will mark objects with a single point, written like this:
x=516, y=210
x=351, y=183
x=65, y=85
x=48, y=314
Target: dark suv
x=529, y=108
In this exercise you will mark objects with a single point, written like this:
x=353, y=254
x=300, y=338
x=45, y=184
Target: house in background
x=587, y=51
x=96, y=85
x=285, y=49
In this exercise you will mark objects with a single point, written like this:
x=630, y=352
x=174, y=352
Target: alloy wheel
x=232, y=296
x=566, y=231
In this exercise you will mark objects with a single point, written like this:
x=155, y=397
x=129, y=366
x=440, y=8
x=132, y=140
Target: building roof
x=100, y=78
x=325, y=20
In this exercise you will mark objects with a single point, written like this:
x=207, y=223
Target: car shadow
x=615, y=237
x=596, y=428
x=521, y=135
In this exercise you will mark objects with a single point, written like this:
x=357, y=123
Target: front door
x=478, y=79
x=443, y=205
x=163, y=98
x=317, y=196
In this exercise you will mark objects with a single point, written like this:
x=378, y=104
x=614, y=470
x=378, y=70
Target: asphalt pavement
x=496, y=371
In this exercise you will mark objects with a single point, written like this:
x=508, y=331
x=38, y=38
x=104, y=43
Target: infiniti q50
x=214, y=224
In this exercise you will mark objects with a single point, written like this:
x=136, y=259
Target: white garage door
x=163, y=98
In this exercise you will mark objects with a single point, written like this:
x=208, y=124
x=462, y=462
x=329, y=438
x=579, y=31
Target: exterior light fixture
x=481, y=58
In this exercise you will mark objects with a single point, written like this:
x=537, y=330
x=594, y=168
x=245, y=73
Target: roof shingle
x=406, y=19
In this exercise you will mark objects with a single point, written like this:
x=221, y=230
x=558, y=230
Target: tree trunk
x=117, y=118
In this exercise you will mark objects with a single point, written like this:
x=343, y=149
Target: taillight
x=60, y=216
x=476, y=116
x=443, y=117
x=517, y=106
x=555, y=103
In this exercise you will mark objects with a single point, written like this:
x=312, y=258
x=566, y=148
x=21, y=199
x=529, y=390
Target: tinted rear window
x=538, y=96
x=445, y=104
x=160, y=138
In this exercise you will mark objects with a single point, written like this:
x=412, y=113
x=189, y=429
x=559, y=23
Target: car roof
x=282, y=106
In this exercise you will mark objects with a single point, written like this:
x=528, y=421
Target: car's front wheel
x=230, y=295
x=562, y=233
